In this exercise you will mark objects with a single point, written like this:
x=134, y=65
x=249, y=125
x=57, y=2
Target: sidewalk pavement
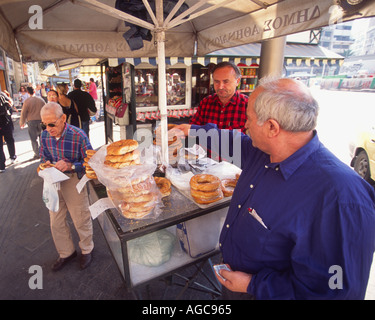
x=26, y=241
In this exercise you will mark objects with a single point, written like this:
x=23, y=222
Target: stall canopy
x=64, y=29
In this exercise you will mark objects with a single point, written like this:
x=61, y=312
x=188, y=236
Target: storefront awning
x=295, y=54
x=187, y=61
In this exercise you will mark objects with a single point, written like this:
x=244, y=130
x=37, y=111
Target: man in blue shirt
x=301, y=224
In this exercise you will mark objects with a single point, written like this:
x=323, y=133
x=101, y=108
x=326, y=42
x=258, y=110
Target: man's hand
x=182, y=130
x=63, y=166
x=236, y=281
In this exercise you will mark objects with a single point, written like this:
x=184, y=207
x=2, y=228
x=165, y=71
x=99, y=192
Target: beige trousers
x=78, y=206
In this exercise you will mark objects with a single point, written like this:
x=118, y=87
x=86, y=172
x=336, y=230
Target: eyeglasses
x=51, y=125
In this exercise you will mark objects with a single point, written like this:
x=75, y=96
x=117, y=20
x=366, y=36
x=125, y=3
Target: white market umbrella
x=42, y=30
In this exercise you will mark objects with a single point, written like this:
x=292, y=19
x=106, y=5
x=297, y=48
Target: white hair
x=52, y=107
x=294, y=108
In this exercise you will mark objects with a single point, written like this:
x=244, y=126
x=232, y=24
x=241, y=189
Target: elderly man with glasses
x=65, y=146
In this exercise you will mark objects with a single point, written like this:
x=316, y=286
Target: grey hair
x=52, y=107
x=295, y=110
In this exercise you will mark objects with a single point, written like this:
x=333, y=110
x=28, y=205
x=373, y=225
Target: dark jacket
x=84, y=101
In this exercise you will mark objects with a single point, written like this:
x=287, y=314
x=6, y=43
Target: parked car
x=362, y=153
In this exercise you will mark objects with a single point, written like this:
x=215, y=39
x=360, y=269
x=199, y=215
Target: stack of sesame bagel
x=122, y=153
x=137, y=198
x=205, y=188
x=90, y=173
x=135, y=194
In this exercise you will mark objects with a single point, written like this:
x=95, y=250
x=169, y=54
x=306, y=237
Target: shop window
x=146, y=87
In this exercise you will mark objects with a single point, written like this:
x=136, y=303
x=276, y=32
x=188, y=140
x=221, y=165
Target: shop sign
x=279, y=22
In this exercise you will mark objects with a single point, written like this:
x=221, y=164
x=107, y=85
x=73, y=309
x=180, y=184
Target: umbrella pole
x=162, y=91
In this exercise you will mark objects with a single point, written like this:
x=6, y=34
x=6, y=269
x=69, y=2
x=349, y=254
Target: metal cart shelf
x=118, y=231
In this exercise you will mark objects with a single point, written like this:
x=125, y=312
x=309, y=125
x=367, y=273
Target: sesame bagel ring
x=208, y=200
x=121, y=147
x=204, y=182
x=133, y=155
x=164, y=186
x=205, y=195
x=225, y=183
x=141, y=198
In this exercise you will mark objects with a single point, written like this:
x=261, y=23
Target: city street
x=341, y=117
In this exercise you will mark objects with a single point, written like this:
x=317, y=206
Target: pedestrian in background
x=69, y=106
x=6, y=130
x=53, y=96
x=93, y=90
x=23, y=95
x=85, y=104
x=94, y=94
x=30, y=114
x=43, y=92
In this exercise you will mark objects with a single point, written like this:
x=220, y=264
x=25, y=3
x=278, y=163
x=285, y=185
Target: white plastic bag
x=51, y=195
x=152, y=249
x=52, y=178
x=223, y=170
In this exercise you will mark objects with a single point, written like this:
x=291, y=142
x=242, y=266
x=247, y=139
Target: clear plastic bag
x=132, y=189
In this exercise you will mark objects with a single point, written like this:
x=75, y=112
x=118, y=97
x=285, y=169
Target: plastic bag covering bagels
x=131, y=188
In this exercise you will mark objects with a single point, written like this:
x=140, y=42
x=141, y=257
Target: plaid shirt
x=70, y=147
x=230, y=116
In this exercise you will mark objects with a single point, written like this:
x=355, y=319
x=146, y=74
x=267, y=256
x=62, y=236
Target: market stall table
x=119, y=231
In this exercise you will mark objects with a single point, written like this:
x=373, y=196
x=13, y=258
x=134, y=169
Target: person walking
x=65, y=146
x=92, y=90
x=85, y=103
x=6, y=130
x=30, y=114
x=43, y=92
x=23, y=95
x=69, y=106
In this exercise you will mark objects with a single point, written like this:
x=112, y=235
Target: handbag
x=120, y=111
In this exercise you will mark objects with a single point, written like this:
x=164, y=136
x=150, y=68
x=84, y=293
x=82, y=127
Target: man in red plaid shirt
x=226, y=107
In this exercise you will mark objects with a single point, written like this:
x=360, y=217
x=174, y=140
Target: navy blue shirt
x=303, y=227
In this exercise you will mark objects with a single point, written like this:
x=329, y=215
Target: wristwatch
x=73, y=167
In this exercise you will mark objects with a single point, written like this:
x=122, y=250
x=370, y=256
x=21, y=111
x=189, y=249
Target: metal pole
x=160, y=36
x=162, y=91
x=272, y=57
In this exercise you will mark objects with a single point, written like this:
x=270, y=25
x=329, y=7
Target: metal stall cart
x=124, y=235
